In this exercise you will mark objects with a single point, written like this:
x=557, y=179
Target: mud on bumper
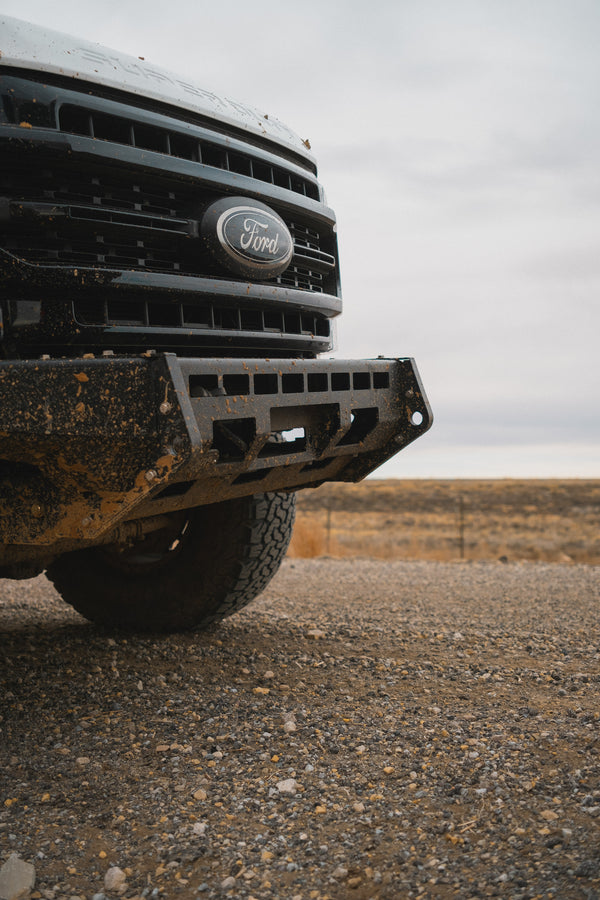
x=88, y=444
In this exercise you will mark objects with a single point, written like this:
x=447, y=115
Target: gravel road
x=365, y=729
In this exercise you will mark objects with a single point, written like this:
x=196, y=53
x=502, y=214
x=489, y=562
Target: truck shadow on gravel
x=62, y=660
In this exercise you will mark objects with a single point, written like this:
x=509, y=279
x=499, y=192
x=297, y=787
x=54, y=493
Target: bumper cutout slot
x=363, y=423
x=232, y=438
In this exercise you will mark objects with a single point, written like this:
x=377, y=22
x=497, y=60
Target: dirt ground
x=367, y=728
x=555, y=521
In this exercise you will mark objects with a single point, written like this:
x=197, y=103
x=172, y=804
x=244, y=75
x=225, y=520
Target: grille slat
x=206, y=317
x=74, y=119
x=79, y=219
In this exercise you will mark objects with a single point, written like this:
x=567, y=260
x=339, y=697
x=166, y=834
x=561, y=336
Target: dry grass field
x=554, y=521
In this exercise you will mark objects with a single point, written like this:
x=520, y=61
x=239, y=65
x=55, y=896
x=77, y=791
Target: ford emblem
x=247, y=237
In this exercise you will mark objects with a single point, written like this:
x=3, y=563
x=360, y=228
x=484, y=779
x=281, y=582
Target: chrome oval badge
x=247, y=237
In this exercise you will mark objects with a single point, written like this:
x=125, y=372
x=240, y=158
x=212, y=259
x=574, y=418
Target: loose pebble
x=115, y=880
x=17, y=878
x=287, y=786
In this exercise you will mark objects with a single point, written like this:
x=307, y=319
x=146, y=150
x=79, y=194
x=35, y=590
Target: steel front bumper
x=86, y=445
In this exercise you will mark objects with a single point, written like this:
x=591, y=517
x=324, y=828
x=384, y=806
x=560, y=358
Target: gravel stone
x=115, y=880
x=288, y=786
x=17, y=878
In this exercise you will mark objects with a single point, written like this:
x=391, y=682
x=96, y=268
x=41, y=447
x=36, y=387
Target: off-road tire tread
x=230, y=553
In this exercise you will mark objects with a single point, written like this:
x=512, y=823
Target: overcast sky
x=459, y=143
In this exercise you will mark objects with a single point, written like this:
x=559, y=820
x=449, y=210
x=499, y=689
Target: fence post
x=461, y=526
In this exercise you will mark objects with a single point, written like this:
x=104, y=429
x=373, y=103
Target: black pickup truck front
x=169, y=285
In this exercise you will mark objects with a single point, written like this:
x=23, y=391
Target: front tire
x=208, y=564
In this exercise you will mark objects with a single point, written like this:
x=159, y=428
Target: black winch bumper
x=88, y=444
